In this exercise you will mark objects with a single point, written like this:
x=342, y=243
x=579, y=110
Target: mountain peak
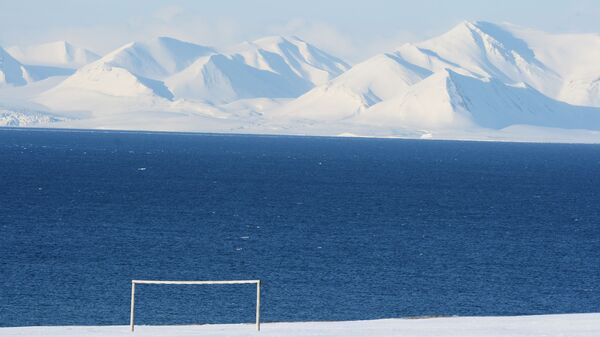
x=57, y=53
x=59, y=43
x=499, y=33
x=157, y=57
x=466, y=29
x=291, y=57
x=477, y=26
x=270, y=42
x=168, y=39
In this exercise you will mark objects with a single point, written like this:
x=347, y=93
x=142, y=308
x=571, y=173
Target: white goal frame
x=134, y=282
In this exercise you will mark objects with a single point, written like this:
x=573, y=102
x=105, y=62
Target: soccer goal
x=134, y=282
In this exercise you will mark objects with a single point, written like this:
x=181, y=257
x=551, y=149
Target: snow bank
x=580, y=325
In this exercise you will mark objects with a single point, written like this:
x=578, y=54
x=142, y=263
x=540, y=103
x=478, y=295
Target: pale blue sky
x=351, y=29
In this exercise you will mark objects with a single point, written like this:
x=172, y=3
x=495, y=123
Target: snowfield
x=579, y=325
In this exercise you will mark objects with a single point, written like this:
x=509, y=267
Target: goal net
x=135, y=282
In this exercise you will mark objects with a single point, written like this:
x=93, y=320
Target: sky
x=353, y=30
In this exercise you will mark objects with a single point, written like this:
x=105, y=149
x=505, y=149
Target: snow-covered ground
x=579, y=325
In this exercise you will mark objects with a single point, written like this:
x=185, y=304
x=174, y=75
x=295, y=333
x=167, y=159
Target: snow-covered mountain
x=39, y=62
x=477, y=75
x=155, y=58
x=448, y=100
x=133, y=71
x=474, y=49
x=101, y=81
x=477, y=81
x=574, y=57
x=482, y=49
x=220, y=79
x=167, y=68
x=292, y=58
x=273, y=67
x=562, y=66
x=12, y=72
x=54, y=54
x=379, y=78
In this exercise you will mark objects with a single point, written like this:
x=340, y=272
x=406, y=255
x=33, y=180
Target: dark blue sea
x=337, y=229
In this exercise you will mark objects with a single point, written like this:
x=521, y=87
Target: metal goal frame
x=134, y=282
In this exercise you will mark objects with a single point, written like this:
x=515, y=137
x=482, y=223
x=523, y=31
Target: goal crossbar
x=195, y=282
x=135, y=282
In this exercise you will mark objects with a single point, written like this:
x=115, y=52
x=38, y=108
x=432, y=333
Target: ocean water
x=337, y=229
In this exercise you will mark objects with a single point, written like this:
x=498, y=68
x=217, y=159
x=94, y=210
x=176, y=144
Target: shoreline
x=458, y=139
x=574, y=325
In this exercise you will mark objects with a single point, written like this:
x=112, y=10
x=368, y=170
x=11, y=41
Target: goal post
x=134, y=282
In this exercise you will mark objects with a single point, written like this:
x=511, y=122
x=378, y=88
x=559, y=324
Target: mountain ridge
x=478, y=78
x=57, y=54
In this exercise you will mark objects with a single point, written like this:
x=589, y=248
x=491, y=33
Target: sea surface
x=337, y=229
